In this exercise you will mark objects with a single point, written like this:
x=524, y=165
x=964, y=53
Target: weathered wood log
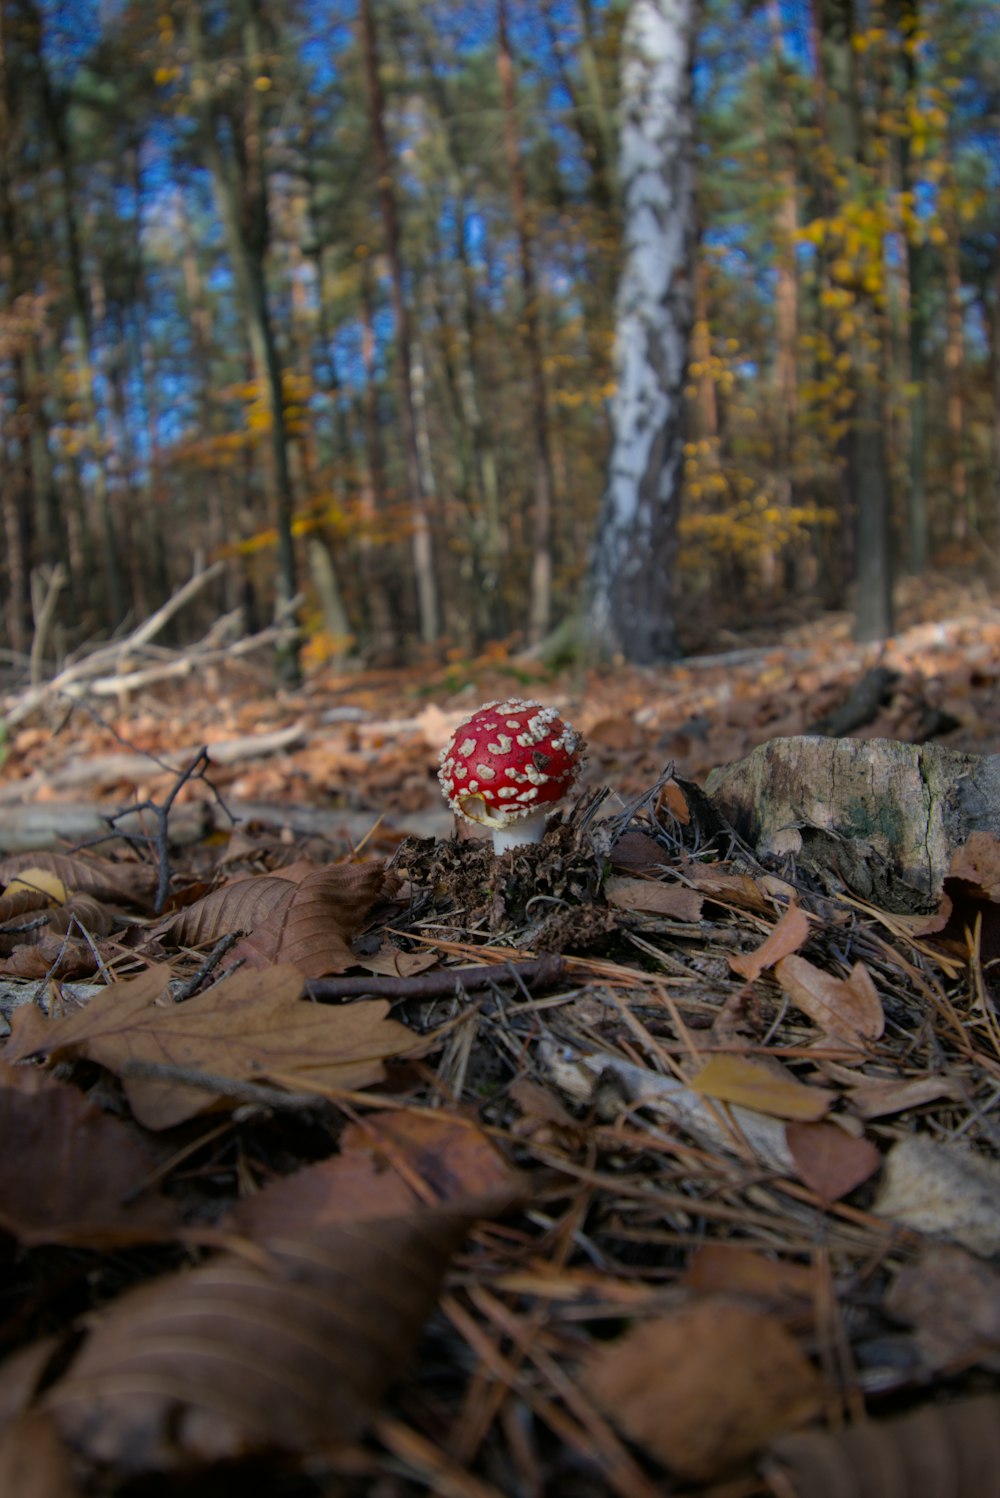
x=884, y=818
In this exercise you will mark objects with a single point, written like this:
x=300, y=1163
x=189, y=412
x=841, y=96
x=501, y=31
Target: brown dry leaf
x=952, y=1299
x=763, y=1086
x=251, y=1026
x=313, y=929
x=791, y=932
x=238, y=906
x=727, y=889
x=637, y=852
x=829, y=1161
x=849, y=1008
x=50, y=956
x=34, y=1462
x=730, y=1269
x=239, y=1356
x=705, y=1387
x=938, y=1449
x=676, y=901
x=68, y=1170
x=878, y=1098
x=386, y=1167
x=132, y=884
x=391, y=961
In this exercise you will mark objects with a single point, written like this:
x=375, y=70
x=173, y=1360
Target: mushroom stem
x=515, y=834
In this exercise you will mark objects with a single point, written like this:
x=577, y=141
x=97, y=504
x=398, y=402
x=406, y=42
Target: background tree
x=634, y=556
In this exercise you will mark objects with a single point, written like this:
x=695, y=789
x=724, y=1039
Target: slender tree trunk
x=634, y=558
x=373, y=490
x=240, y=187
x=962, y=519
x=423, y=548
x=869, y=479
x=540, y=600
x=917, y=527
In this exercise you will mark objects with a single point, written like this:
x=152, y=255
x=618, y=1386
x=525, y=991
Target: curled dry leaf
x=791, y=932
x=763, y=1086
x=132, y=884
x=71, y=1172
x=848, y=1008
x=238, y=1356
x=704, y=1388
x=314, y=929
x=940, y=1449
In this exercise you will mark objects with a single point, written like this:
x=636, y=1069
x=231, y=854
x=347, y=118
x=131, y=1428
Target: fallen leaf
x=731, y=1269
x=68, y=1171
x=674, y=900
x=791, y=932
x=392, y=962
x=637, y=852
x=828, y=1160
x=38, y=881
x=123, y=883
x=849, y=1008
x=763, y=1087
x=387, y=1166
x=250, y=1026
x=313, y=929
x=236, y=1357
x=942, y=1188
x=240, y=905
x=878, y=1098
x=703, y=1388
x=727, y=889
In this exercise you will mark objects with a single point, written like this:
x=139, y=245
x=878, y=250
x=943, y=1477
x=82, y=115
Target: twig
x=537, y=972
x=181, y=990
x=43, y=614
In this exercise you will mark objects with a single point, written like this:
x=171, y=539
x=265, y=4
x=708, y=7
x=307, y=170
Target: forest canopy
x=327, y=289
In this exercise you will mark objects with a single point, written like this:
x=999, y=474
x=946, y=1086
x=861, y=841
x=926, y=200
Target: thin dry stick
x=429, y=1463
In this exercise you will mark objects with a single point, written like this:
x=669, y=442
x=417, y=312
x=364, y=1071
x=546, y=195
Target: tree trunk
x=540, y=600
x=634, y=558
x=423, y=548
x=869, y=479
x=239, y=181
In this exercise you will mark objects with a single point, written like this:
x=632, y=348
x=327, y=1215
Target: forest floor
x=342, y=1158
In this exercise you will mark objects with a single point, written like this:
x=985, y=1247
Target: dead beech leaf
x=236, y=1357
x=951, y=1449
x=705, y=1387
x=40, y=882
x=828, y=1160
x=674, y=900
x=132, y=884
x=238, y=906
x=71, y=1172
x=849, y=1008
x=391, y=961
x=313, y=929
x=877, y=1097
x=387, y=1166
x=50, y=956
x=637, y=852
x=765, y=1088
x=791, y=932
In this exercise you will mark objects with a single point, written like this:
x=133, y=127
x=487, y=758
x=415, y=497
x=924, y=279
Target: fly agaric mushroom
x=507, y=765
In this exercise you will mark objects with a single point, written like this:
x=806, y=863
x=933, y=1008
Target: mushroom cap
x=510, y=759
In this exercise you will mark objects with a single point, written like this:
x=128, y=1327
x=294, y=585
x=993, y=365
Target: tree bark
x=540, y=600
x=632, y=569
x=423, y=548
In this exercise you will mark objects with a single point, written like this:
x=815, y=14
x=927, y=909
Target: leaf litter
x=691, y=1188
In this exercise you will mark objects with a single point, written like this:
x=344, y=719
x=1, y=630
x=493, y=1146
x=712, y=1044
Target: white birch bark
x=631, y=605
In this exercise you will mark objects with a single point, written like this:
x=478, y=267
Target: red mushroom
x=507, y=765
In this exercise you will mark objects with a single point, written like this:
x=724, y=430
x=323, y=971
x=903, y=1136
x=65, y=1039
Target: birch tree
x=631, y=603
